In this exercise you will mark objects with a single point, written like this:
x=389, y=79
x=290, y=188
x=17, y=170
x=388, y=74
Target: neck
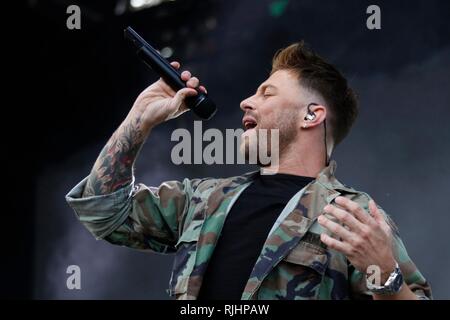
x=300, y=161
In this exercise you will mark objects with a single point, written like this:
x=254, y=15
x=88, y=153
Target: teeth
x=250, y=124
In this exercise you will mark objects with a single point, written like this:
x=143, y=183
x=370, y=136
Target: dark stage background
x=76, y=86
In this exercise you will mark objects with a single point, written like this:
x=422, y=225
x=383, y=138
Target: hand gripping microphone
x=200, y=104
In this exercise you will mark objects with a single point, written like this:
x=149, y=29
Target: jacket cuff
x=101, y=214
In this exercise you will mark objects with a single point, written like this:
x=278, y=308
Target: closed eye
x=267, y=90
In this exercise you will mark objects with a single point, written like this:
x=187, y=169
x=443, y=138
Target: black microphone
x=200, y=104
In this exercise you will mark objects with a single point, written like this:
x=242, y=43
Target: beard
x=269, y=141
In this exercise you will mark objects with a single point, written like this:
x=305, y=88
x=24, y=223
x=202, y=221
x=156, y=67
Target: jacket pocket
x=309, y=255
x=184, y=260
x=299, y=275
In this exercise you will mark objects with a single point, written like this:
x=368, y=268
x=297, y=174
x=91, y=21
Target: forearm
x=114, y=166
x=156, y=104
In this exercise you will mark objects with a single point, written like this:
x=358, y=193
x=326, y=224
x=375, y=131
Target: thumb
x=182, y=94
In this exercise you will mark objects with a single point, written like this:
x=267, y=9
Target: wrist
x=386, y=286
x=387, y=270
x=138, y=121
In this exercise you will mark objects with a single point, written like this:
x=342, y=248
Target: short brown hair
x=323, y=78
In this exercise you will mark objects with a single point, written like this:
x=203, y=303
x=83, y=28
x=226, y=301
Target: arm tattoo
x=114, y=166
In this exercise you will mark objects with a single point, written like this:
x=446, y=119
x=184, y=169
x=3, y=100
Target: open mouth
x=249, y=123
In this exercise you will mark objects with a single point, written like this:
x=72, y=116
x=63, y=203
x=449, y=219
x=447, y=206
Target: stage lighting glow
x=277, y=8
x=166, y=52
x=141, y=4
x=138, y=4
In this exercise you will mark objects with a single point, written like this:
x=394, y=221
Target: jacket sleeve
x=413, y=278
x=136, y=216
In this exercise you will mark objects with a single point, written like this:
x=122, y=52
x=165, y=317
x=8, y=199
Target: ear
x=320, y=114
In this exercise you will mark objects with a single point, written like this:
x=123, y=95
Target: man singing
x=296, y=234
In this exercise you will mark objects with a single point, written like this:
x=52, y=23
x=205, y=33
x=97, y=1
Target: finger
x=378, y=216
x=355, y=209
x=193, y=82
x=202, y=88
x=185, y=75
x=335, y=228
x=175, y=64
x=346, y=218
x=336, y=244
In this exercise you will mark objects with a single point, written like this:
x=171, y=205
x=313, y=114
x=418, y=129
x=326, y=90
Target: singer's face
x=275, y=105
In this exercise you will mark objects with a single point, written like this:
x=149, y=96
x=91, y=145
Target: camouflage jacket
x=186, y=218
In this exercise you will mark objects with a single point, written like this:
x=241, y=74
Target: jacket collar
x=326, y=177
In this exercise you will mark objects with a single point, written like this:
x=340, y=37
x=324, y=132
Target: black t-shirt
x=243, y=235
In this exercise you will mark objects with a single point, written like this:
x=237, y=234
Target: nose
x=247, y=104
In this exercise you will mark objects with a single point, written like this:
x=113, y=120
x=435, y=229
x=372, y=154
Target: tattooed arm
x=158, y=103
x=114, y=166
x=110, y=205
